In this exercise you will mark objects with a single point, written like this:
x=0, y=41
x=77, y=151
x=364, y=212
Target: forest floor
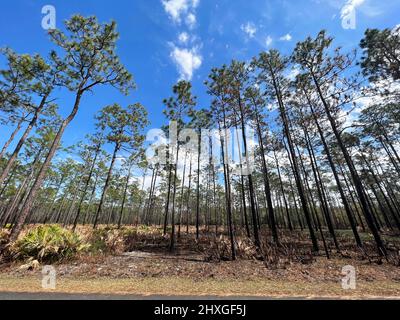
x=148, y=269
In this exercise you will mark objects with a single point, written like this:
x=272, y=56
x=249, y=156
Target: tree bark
x=294, y=161
x=86, y=187
x=353, y=173
x=41, y=176
x=106, y=185
x=21, y=141
x=128, y=177
x=11, y=139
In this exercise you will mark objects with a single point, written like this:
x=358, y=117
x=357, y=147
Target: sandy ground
x=145, y=274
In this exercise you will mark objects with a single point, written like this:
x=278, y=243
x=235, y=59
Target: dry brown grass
x=173, y=286
x=136, y=261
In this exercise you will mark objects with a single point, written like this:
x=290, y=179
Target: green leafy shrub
x=49, y=244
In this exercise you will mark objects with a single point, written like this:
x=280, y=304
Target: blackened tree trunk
x=294, y=162
x=249, y=177
x=283, y=193
x=242, y=188
x=391, y=209
x=227, y=187
x=267, y=186
x=355, y=177
x=336, y=176
x=318, y=182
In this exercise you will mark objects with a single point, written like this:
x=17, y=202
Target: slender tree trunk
x=318, y=183
x=283, y=193
x=392, y=160
x=75, y=195
x=42, y=173
x=128, y=177
x=249, y=177
x=182, y=193
x=294, y=162
x=21, y=141
x=350, y=192
x=168, y=196
x=14, y=202
x=242, y=187
x=313, y=206
x=390, y=144
x=21, y=189
x=224, y=156
x=106, y=185
x=150, y=214
x=87, y=211
x=198, y=186
x=146, y=211
x=267, y=186
x=141, y=205
x=336, y=176
x=12, y=137
x=392, y=211
x=188, y=210
x=354, y=174
x=172, y=242
x=86, y=187
x=5, y=185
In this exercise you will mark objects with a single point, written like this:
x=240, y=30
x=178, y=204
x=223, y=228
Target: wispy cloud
x=268, y=41
x=249, y=29
x=181, y=10
x=286, y=37
x=187, y=60
x=349, y=7
x=191, y=20
x=183, y=37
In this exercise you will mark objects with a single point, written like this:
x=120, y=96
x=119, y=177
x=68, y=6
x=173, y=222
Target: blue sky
x=163, y=41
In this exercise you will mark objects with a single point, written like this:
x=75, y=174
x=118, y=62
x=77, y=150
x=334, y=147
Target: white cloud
x=191, y=20
x=179, y=9
x=249, y=28
x=268, y=41
x=349, y=7
x=187, y=61
x=183, y=37
x=286, y=37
